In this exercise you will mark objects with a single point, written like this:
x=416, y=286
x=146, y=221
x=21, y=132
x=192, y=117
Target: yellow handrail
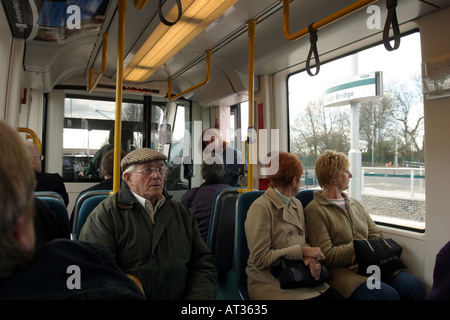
x=139, y=4
x=33, y=135
x=92, y=86
x=208, y=75
x=319, y=24
x=122, y=6
x=251, y=97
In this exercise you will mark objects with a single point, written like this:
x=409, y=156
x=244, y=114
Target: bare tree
x=405, y=96
x=318, y=129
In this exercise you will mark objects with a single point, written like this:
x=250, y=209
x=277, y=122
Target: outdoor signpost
x=354, y=90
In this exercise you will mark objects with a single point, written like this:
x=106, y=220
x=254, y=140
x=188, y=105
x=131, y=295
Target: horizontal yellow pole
x=319, y=24
x=208, y=75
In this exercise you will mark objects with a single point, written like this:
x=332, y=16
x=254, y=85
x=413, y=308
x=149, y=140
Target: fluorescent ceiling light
x=166, y=41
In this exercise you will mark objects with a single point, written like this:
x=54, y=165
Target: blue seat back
x=305, y=196
x=78, y=204
x=221, y=228
x=220, y=240
x=57, y=205
x=241, y=248
x=86, y=208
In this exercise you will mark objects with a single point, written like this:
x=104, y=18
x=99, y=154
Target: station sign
x=358, y=88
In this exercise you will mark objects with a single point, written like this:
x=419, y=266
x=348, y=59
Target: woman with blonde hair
x=334, y=220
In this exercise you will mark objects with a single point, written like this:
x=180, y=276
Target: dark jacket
x=52, y=182
x=47, y=225
x=170, y=258
x=441, y=276
x=48, y=275
x=200, y=201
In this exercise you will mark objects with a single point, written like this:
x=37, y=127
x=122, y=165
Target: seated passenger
x=46, y=181
x=151, y=236
x=93, y=169
x=275, y=228
x=441, y=275
x=47, y=225
x=108, y=174
x=200, y=199
x=212, y=144
x=333, y=220
x=62, y=269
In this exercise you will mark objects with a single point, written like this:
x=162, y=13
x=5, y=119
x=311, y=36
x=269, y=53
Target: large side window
x=391, y=129
x=89, y=130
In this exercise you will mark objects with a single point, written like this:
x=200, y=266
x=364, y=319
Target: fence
x=388, y=192
x=404, y=182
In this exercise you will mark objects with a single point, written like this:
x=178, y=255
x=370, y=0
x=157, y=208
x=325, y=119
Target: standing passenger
x=334, y=220
x=213, y=144
x=151, y=236
x=61, y=269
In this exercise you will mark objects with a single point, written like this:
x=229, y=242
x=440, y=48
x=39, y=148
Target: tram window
x=390, y=136
x=176, y=179
x=87, y=125
x=238, y=124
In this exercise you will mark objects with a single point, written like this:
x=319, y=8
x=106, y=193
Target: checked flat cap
x=140, y=156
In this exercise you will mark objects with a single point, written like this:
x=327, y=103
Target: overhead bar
x=319, y=24
x=208, y=75
x=93, y=85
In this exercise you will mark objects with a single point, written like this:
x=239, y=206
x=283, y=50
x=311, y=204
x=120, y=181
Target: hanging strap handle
x=391, y=19
x=313, y=49
x=163, y=19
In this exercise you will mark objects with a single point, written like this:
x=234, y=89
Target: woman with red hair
x=275, y=229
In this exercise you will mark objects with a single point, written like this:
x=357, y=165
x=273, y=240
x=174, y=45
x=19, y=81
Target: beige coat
x=333, y=230
x=274, y=231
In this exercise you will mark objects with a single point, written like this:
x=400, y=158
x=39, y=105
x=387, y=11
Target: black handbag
x=294, y=274
x=385, y=253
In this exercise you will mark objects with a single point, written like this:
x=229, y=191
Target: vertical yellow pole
x=122, y=6
x=251, y=98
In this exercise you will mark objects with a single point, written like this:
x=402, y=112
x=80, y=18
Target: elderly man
x=152, y=236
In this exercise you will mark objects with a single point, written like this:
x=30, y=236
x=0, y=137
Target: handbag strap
x=371, y=248
x=368, y=243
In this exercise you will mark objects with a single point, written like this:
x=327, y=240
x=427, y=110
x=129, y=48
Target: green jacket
x=170, y=259
x=333, y=230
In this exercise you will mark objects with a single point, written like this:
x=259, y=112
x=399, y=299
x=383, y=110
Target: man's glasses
x=150, y=170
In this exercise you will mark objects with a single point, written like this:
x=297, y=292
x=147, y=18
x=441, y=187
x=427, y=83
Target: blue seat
x=86, y=209
x=241, y=248
x=56, y=203
x=220, y=240
x=79, y=217
x=305, y=196
x=49, y=194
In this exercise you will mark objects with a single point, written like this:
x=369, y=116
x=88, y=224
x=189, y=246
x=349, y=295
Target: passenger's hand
x=313, y=252
x=314, y=266
x=353, y=267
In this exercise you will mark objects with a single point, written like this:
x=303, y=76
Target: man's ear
x=24, y=231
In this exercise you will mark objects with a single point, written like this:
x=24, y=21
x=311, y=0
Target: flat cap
x=140, y=156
